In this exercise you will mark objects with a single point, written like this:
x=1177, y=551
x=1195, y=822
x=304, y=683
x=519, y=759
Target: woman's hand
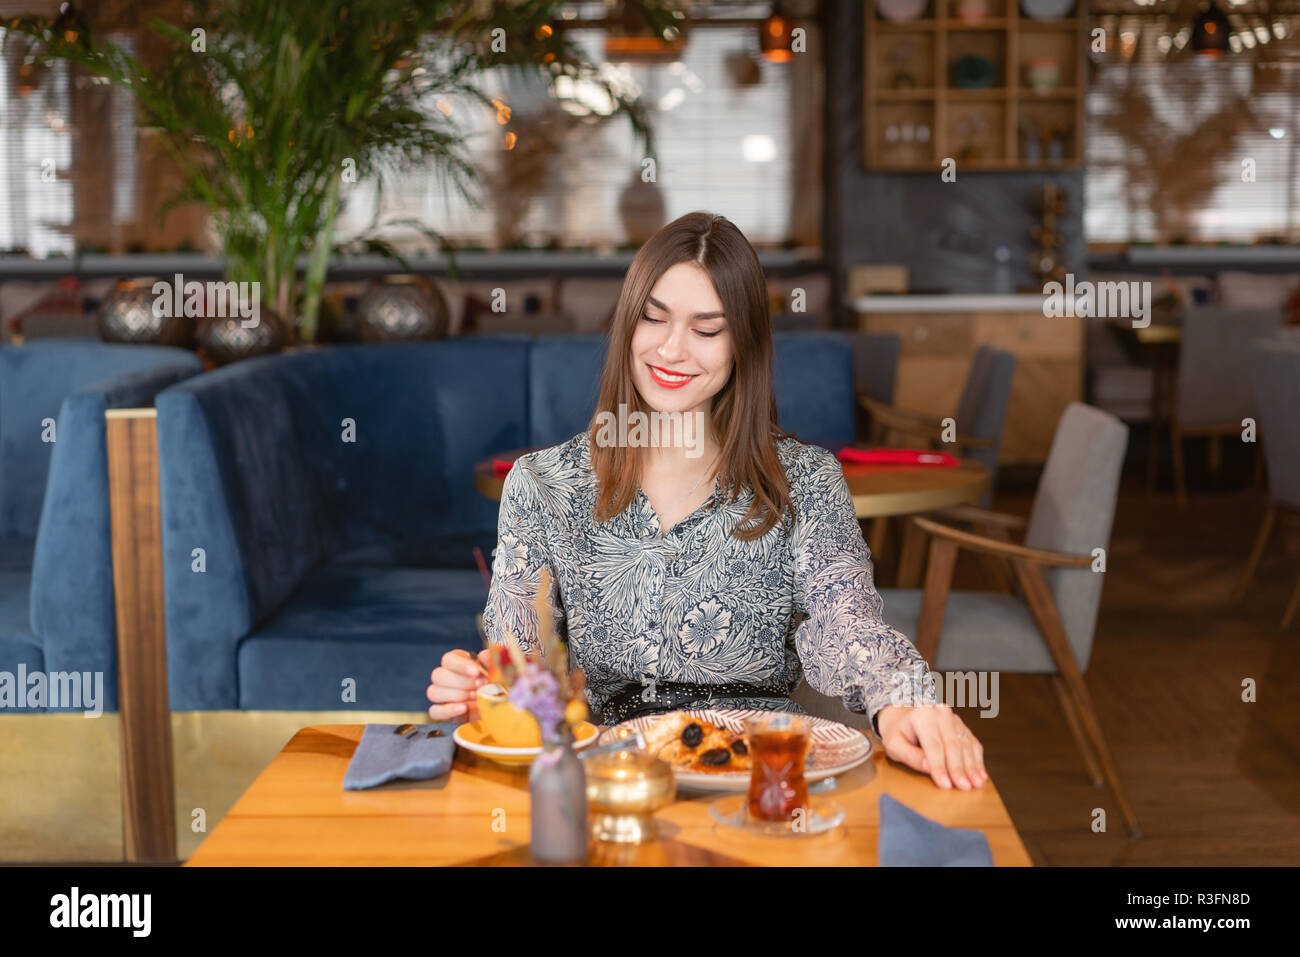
x=933, y=740
x=455, y=685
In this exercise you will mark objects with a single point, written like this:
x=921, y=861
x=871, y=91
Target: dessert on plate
x=690, y=743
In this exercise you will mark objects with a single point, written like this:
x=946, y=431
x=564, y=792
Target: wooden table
x=297, y=813
x=884, y=491
x=878, y=490
x=486, y=479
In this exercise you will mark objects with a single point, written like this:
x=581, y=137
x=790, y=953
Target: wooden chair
x=980, y=418
x=875, y=364
x=1049, y=628
x=1276, y=375
x=1214, y=380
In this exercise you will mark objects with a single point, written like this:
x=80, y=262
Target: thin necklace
x=705, y=473
x=692, y=489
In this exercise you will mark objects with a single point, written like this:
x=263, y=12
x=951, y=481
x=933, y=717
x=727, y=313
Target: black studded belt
x=634, y=700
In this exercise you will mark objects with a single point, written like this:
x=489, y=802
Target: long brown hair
x=744, y=410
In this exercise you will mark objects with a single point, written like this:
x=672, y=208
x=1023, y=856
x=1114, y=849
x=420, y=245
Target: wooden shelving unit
x=916, y=117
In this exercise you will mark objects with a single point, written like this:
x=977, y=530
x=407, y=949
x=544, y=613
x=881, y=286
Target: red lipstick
x=657, y=373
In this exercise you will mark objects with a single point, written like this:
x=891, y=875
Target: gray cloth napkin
x=384, y=756
x=909, y=840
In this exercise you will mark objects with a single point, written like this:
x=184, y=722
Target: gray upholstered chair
x=875, y=372
x=875, y=363
x=980, y=417
x=1049, y=628
x=1276, y=374
x=1214, y=379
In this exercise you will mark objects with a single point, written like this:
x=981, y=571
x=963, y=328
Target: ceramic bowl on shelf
x=901, y=11
x=1046, y=10
x=972, y=72
x=1043, y=74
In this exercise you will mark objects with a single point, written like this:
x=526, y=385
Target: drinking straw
x=482, y=566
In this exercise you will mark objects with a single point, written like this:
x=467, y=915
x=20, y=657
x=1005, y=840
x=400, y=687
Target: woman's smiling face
x=682, y=349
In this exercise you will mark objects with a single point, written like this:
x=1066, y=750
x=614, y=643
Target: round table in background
x=486, y=479
x=881, y=491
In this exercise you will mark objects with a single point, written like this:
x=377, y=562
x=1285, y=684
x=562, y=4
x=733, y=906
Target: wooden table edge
x=1019, y=856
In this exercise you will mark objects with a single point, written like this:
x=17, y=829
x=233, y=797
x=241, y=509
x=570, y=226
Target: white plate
x=836, y=748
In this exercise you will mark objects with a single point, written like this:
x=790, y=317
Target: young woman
x=701, y=570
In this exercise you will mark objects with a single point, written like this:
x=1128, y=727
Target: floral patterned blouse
x=697, y=605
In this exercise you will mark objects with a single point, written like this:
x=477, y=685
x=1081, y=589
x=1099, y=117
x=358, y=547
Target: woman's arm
x=521, y=552
x=847, y=649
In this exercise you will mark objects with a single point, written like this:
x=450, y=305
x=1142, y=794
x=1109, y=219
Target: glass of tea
x=778, y=747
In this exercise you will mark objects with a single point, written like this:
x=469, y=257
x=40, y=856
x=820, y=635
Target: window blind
x=722, y=146
x=1191, y=148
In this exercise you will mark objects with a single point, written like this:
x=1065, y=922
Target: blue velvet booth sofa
x=56, y=589
x=320, y=517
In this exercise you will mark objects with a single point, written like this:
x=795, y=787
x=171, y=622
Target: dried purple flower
x=537, y=692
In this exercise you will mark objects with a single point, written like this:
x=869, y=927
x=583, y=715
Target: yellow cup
x=509, y=727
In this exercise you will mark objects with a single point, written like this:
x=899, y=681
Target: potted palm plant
x=269, y=108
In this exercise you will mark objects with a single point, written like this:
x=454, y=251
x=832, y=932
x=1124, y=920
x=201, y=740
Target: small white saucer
x=823, y=815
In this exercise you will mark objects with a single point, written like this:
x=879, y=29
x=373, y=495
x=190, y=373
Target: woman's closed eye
x=698, y=332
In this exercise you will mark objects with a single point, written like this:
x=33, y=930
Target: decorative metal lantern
x=227, y=339
x=1210, y=31
x=127, y=315
x=774, y=38
x=398, y=308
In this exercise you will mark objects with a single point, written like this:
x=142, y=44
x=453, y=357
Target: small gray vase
x=557, y=783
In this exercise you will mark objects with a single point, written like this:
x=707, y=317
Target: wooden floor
x=1213, y=780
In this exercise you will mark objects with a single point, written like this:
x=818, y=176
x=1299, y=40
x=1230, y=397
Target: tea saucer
x=472, y=736
x=823, y=815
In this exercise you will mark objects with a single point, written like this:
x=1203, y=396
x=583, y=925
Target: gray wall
x=943, y=232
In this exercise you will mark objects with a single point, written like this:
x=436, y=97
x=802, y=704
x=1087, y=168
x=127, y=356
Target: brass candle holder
x=624, y=789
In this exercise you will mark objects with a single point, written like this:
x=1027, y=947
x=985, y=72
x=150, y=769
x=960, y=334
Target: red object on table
x=896, y=457
x=502, y=467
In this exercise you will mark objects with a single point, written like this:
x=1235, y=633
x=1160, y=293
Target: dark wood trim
x=934, y=600
x=148, y=789
x=1001, y=549
x=982, y=516
x=1076, y=730
x=1178, y=432
x=1257, y=552
x=1043, y=608
x=911, y=557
